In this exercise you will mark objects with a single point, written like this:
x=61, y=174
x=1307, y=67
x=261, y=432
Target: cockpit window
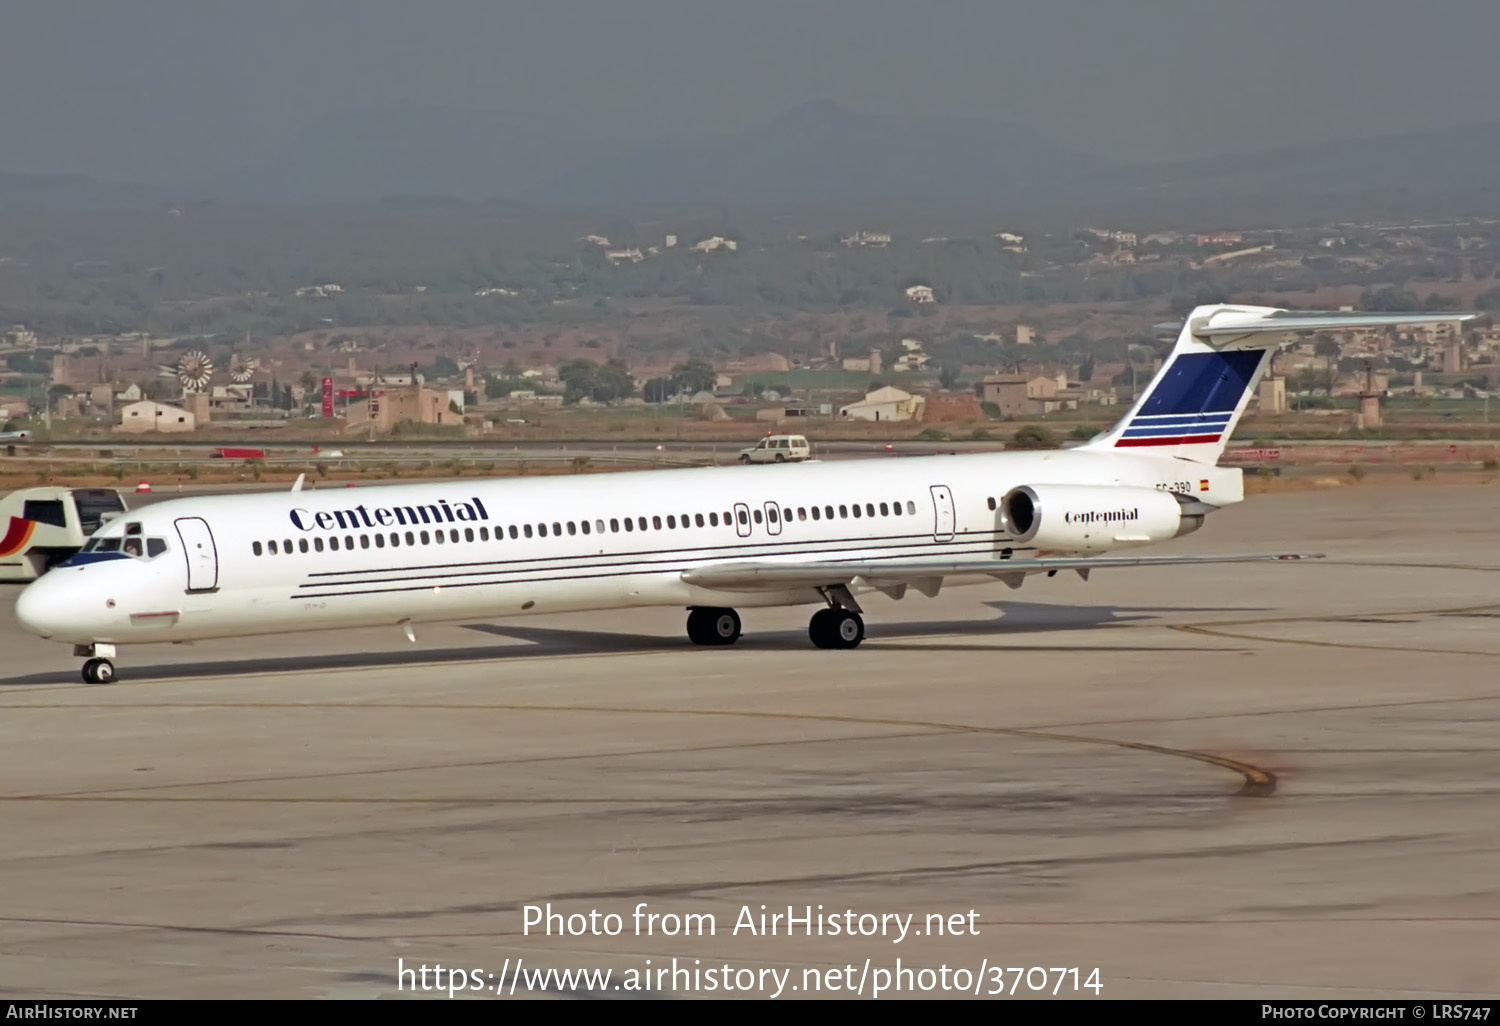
x=134, y=527
x=155, y=546
x=133, y=546
x=105, y=545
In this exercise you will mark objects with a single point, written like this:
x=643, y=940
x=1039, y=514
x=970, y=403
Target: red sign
x=328, y=397
x=375, y=395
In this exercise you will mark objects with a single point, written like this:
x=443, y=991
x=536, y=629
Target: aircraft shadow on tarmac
x=1016, y=618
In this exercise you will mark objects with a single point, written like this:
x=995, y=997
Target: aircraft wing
x=892, y=576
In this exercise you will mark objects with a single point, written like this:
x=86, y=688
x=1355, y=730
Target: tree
x=1086, y=369
x=695, y=375
x=658, y=390
x=948, y=377
x=1033, y=436
x=1328, y=348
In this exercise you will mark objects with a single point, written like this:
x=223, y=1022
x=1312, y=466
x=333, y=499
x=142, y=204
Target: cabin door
x=202, y=556
x=942, y=505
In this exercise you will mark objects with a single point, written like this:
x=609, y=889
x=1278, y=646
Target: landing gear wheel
x=713, y=626
x=98, y=671
x=836, y=628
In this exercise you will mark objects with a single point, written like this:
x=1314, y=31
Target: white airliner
x=709, y=539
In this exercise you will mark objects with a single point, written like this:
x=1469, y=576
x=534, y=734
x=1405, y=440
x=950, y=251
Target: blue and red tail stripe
x=1195, y=401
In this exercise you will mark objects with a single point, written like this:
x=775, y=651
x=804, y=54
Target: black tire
x=707, y=626
x=745, y=460
x=836, y=628
x=88, y=671
x=820, y=630
x=780, y=457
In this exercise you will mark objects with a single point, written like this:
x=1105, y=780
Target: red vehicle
x=238, y=454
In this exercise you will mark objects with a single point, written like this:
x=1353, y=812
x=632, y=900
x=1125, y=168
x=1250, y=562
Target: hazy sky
x=153, y=90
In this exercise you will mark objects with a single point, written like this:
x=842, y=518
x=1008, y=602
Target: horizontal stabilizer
x=782, y=576
x=1232, y=322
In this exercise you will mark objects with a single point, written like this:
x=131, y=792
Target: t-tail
x=1190, y=409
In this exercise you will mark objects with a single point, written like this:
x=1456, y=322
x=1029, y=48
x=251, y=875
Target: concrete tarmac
x=1259, y=781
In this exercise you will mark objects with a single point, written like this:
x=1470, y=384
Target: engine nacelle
x=1084, y=518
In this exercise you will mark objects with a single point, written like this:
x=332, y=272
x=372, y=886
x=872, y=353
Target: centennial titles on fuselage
x=353, y=518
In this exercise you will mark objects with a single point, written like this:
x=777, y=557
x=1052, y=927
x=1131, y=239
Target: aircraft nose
x=42, y=606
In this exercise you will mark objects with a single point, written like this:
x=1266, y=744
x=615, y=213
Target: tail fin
x=1191, y=407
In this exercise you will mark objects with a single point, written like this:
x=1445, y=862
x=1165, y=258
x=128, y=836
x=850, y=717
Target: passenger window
x=698, y=519
x=801, y=512
x=843, y=511
x=656, y=523
x=439, y=537
x=585, y=525
x=598, y=527
x=395, y=539
x=815, y=512
x=318, y=544
x=855, y=508
x=641, y=522
x=302, y=544
x=727, y=518
x=772, y=516
x=255, y=547
x=786, y=514
x=556, y=529
x=743, y=518
x=411, y=539
x=713, y=520
x=364, y=541
x=990, y=502
x=425, y=538
x=286, y=546
x=757, y=516
x=155, y=546
x=468, y=534
x=828, y=512
x=541, y=530
x=380, y=541
x=572, y=527
x=484, y=534
x=333, y=543
x=911, y=507
x=869, y=509
x=629, y=524
x=512, y=532
x=896, y=508
x=349, y=541
x=671, y=521
x=614, y=525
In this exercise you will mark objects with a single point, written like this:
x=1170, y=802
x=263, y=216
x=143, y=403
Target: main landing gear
x=840, y=625
x=100, y=667
x=836, y=627
x=707, y=626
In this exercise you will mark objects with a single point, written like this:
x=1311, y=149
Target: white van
x=777, y=449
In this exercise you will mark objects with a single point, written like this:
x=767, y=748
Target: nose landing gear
x=100, y=667
x=98, y=671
